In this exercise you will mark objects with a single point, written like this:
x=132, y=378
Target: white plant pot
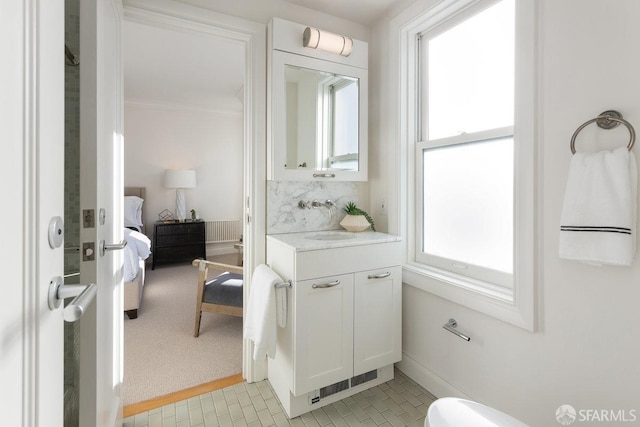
x=355, y=223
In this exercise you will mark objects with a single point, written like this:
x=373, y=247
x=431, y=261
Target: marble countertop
x=315, y=240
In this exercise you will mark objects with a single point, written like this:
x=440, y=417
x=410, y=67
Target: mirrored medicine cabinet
x=318, y=119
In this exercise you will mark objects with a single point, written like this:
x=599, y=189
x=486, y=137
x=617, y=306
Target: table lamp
x=180, y=179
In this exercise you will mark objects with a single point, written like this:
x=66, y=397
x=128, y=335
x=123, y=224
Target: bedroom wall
x=585, y=350
x=160, y=137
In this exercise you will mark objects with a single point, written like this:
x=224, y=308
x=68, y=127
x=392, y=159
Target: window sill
x=500, y=303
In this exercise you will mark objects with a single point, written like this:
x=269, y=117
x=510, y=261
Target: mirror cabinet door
x=319, y=111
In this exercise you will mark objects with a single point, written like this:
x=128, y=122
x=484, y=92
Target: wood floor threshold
x=177, y=396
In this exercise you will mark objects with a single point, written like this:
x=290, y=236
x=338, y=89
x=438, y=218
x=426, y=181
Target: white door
x=101, y=191
x=32, y=123
x=323, y=334
x=32, y=141
x=377, y=329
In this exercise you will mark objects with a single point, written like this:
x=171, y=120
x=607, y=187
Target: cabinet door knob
x=326, y=285
x=379, y=276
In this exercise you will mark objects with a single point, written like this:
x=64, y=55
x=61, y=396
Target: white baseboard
x=221, y=248
x=428, y=379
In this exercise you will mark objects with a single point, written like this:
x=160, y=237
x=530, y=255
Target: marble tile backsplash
x=284, y=215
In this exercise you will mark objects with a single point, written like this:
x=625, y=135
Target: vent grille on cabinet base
x=363, y=378
x=314, y=397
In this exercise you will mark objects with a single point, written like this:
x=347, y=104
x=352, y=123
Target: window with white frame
x=471, y=134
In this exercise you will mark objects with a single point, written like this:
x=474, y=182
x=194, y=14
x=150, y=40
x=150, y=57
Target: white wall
x=264, y=10
x=163, y=137
x=585, y=351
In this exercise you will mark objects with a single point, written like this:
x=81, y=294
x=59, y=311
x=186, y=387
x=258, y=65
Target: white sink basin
x=333, y=235
x=328, y=239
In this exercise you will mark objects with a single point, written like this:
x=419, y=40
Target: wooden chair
x=221, y=294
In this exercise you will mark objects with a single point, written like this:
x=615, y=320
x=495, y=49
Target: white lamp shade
x=329, y=42
x=180, y=179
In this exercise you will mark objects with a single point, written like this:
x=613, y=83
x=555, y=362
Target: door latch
x=88, y=251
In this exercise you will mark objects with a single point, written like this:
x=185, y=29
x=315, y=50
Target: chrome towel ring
x=606, y=120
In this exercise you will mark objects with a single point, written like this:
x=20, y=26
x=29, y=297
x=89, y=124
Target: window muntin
x=514, y=305
x=466, y=157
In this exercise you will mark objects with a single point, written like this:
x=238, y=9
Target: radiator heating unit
x=220, y=231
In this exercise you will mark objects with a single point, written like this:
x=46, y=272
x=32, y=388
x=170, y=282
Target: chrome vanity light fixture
x=329, y=42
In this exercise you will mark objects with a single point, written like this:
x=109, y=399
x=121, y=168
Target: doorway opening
x=184, y=110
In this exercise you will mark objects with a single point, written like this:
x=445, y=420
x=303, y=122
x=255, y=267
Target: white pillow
x=133, y=211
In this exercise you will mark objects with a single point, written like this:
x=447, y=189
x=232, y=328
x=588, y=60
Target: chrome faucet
x=329, y=204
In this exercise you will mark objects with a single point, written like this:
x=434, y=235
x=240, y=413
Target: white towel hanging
x=262, y=317
x=598, y=221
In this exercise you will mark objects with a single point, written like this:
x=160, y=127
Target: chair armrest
x=202, y=264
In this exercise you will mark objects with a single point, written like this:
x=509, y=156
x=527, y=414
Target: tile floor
x=399, y=402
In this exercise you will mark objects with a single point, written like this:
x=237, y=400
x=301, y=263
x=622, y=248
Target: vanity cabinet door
x=323, y=343
x=377, y=319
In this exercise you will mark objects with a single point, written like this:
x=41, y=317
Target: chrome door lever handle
x=83, y=294
x=104, y=247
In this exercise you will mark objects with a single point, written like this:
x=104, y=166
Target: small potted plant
x=356, y=219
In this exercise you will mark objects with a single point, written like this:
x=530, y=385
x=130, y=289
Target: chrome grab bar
x=451, y=327
x=111, y=247
x=83, y=294
x=326, y=285
x=379, y=276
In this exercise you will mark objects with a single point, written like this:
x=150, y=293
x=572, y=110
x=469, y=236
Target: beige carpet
x=161, y=355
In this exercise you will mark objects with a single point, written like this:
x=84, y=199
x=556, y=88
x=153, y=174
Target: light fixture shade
x=329, y=42
x=180, y=178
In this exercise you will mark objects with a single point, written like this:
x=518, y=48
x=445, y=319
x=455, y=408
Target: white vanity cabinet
x=343, y=330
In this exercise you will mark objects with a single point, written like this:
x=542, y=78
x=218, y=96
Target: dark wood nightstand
x=178, y=241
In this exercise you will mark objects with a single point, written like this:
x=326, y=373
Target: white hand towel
x=281, y=306
x=598, y=220
x=261, y=318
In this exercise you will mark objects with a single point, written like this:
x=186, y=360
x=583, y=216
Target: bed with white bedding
x=136, y=252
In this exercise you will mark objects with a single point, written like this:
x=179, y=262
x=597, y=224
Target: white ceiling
x=177, y=68
x=364, y=12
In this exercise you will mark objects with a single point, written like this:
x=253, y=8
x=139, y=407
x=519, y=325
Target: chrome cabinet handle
x=324, y=175
x=326, y=285
x=379, y=276
x=111, y=247
x=83, y=294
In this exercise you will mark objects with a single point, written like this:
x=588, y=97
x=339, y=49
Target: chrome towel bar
x=451, y=327
x=606, y=120
x=286, y=284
